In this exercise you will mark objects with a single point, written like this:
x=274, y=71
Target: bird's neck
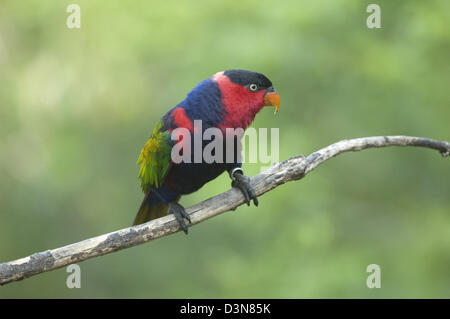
x=240, y=108
x=221, y=104
x=239, y=115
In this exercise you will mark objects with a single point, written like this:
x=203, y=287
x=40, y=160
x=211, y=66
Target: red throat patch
x=240, y=104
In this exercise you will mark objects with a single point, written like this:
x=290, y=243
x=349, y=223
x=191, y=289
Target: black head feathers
x=245, y=78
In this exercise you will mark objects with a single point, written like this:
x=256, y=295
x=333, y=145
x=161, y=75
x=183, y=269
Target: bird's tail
x=151, y=208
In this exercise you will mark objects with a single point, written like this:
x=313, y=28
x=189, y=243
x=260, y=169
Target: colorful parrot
x=228, y=99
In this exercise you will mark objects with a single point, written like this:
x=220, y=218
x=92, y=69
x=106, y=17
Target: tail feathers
x=150, y=210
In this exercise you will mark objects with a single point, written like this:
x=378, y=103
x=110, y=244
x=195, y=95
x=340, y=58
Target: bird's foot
x=180, y=213
x=242, y=182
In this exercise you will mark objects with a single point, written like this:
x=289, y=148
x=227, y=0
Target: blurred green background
x=76, y=106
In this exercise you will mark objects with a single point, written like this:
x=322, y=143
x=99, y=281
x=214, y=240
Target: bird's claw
x=242, y=182
x=180, y=213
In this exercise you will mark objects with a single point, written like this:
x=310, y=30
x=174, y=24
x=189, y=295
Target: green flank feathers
x=155, y=159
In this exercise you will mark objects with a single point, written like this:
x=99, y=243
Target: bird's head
x=245, y=93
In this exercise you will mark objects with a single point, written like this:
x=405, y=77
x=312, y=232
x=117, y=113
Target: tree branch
x=294, y=168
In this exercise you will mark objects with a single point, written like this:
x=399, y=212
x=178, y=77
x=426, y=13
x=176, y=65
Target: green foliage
x=77, y=106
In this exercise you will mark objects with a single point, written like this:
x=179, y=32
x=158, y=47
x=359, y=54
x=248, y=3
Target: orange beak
x=271, y=98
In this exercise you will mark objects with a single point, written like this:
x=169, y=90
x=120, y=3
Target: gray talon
x=242, y=182
x=180, y=213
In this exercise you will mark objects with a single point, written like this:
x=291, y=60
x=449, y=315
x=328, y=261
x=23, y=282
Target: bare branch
x=292, y=169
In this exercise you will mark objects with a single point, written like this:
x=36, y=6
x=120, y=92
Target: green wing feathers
x=155, y=159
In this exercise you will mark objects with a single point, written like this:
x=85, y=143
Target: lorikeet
x=228, y=99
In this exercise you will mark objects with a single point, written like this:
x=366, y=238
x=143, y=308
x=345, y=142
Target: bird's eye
x=253, y=87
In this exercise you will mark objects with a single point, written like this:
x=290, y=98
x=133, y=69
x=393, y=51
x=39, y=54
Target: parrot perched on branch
x=227, y=100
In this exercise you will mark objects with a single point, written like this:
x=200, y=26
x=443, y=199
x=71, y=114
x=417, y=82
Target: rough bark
x=294, y=168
